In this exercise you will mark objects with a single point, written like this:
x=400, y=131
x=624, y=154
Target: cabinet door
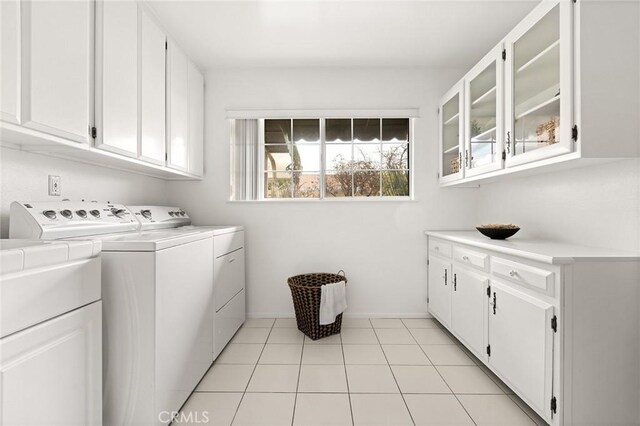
x=451, y=134
x=178, y=103
x=539, y=89
x=152, y=90
x=469, y=309
x=117, y=77
x=196, y=120
x=440, y=290
x=521, y=342
x=57, y=67
x=484, y=101
x=9, y=60
x=51, y=373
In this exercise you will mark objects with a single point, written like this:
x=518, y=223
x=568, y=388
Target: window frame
x=323, y=164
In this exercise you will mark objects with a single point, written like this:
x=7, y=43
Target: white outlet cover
x=55, y=185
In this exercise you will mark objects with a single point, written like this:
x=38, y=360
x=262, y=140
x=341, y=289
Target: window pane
x=395, y=156
x=367, y=183
x=277, y=185
x=338, y=130
x=395, y=183
x=277, y=131
x=366, y=130
x=306, y=157
x=306, y=130
x=277, y=157
x=338, y=155
x=338, y=183
x=395, y=129
x=367, y=156
x=306, y=185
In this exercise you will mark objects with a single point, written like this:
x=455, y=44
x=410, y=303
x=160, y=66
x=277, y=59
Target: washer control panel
x=156, y=217
x=60, y=219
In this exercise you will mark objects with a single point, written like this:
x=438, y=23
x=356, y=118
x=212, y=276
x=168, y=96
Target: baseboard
x=346, y=315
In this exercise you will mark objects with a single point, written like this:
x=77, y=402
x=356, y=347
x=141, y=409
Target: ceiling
x=325, y=33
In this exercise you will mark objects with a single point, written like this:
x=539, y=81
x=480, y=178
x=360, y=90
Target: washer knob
x=49, y=214
x=117, y=212
x=181, y=213
x=146, y=213
x=66, y=213
x=81, y=213
x=95, y=213
x=172, y=214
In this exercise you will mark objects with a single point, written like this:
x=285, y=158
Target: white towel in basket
x=333, y=301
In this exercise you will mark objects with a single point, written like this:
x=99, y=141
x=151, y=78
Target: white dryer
x=157, y=308
x=229, y=304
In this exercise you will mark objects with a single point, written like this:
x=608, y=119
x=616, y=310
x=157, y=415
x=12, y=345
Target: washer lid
x=17, y=255
x=150, y=240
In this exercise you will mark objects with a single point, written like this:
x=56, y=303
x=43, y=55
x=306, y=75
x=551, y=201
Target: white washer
x=50, y=333
x=229, y=305
x=157, y=313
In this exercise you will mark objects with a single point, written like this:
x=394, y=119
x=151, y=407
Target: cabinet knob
x=512, y=273
x=465, y=258
x=436, y=248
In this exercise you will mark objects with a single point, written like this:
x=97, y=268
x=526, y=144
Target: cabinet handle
x=494, y=303
x=436, y=248
x=460, y=156
x=445, y=277
x=466, y=158
x=233, y=259
x=508, y=142
x=465, y=258
x=455, y=282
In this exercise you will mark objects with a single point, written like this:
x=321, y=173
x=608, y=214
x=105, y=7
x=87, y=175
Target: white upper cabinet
x=196, y=121
x=562, y=94
x=451, y=114
x=483, y=109
x=9, y=60
x=117, y=77
x=56, y=67
x=178, y=108
x=539, y=89
x=152, y=90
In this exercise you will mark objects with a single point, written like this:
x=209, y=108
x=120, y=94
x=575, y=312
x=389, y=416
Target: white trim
x=322, y=113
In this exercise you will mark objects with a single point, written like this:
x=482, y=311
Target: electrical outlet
x=55, y=185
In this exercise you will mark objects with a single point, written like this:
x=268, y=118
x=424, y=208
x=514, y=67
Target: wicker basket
x=306, y=290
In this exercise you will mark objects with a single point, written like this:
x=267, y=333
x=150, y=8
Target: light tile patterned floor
x=376, y=372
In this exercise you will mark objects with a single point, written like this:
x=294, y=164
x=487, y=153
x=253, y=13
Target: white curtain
x=244, y=159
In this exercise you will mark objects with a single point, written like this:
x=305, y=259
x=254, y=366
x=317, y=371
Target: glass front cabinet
x=538, y=83
x=451, y=114
x=515, y=105
x=484, y=111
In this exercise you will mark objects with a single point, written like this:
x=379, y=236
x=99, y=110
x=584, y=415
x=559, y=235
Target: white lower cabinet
x=439, y=290
x=557, y=323
x=51, y=373
x=469, y=308
x=521, y=342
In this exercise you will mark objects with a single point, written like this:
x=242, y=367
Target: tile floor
x=376, y=372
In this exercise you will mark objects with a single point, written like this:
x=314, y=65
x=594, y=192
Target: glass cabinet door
x=451, y=128
x=484, y=94
x=539, y=86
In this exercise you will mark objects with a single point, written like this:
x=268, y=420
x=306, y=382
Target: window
x=322, y=158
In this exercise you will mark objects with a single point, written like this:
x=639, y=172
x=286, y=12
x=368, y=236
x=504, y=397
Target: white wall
x=380, y=245
x=596, y=206
x=24, y=177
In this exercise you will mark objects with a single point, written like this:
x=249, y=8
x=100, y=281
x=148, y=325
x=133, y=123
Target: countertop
x=545, y=251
